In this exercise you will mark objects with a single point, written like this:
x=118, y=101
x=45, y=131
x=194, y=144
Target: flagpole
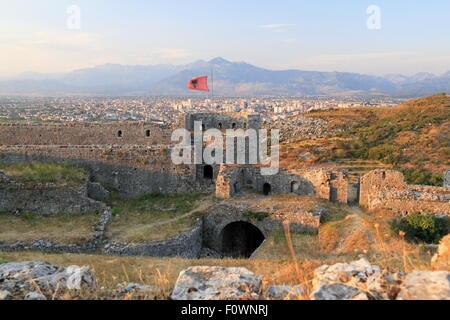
x=212, y=84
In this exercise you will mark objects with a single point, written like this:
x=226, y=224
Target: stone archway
x=267, y=189
x=208, y=172
x=240, y=239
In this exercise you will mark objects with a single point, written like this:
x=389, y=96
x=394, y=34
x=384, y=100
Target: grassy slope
x=155, y=216
x=60, y=228
x=414, y=137
x=45, y=173
x=345, y=234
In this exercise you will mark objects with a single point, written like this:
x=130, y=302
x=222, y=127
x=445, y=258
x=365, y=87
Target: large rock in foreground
x=217, y=283
x=357, y=280
x=25, y=276
x=426, y=285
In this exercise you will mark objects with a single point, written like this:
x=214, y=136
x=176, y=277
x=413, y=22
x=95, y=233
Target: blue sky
x=312, y=35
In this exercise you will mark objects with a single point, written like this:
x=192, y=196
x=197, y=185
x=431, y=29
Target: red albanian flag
x=200, y=83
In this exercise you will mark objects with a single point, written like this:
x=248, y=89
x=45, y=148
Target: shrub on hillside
x=422, y=177
x=422, y=228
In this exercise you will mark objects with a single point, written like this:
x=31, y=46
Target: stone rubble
x=357, y=280
x=426, y=285
x=34, y=296
x=285, y=292
x=25, y=276
x=5, y=295
x=217, y=283
x=298, y=128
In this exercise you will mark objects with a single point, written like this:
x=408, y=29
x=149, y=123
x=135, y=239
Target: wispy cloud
x=69, y=40
x=276, y=26
x=172, y=53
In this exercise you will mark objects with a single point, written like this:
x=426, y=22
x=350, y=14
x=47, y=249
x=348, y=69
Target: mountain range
x=230, y=79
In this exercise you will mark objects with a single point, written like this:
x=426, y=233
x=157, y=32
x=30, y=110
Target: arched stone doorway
x=208, y=172
x=267, y=189
x=240, y=239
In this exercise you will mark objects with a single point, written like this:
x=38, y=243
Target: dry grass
x=160, y=272
x=284, y=259
x=45, y=173
x=60, y=228
x=155, y=217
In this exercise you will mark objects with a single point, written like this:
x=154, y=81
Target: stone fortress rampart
x=80, y=134
x=135, y=158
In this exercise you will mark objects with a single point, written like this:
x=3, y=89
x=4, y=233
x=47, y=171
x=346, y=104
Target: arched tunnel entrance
x=240, y=239
x=267, y=189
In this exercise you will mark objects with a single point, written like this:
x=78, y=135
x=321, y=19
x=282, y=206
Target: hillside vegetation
x=38, y=172
x=413, y=137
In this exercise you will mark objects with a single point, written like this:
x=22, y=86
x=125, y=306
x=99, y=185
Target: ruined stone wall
x=405, y=202
x=387, y=190
x=377, y=180
x=114, y=133
x=186, y=245
x=224, y=181
x=447, y=179
x=44, y=198
x=339, y=187
x=313, y=182
x=223, y=214
x=133, y=171
x=320, y=179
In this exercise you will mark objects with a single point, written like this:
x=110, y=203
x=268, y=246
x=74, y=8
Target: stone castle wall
x=387, y=190
x=115, y=133
x=132, y=157
x=325, y=184
x=44, y=198
x=133, y=171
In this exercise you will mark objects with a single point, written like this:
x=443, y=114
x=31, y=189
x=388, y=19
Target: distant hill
x=230, y=78
x=413, y=137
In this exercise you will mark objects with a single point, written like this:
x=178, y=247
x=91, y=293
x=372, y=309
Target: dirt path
x=202, y=207
x=360, y=223
x=357, y=211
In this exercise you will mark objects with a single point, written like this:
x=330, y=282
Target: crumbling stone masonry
x=447, y=179
x=135, y=158
x=229, y=229
x=132, y=157
x=387, y=190
x=44, y=198
x=325, y=184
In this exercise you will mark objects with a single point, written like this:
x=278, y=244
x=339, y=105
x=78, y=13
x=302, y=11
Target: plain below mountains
x=230, y=78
